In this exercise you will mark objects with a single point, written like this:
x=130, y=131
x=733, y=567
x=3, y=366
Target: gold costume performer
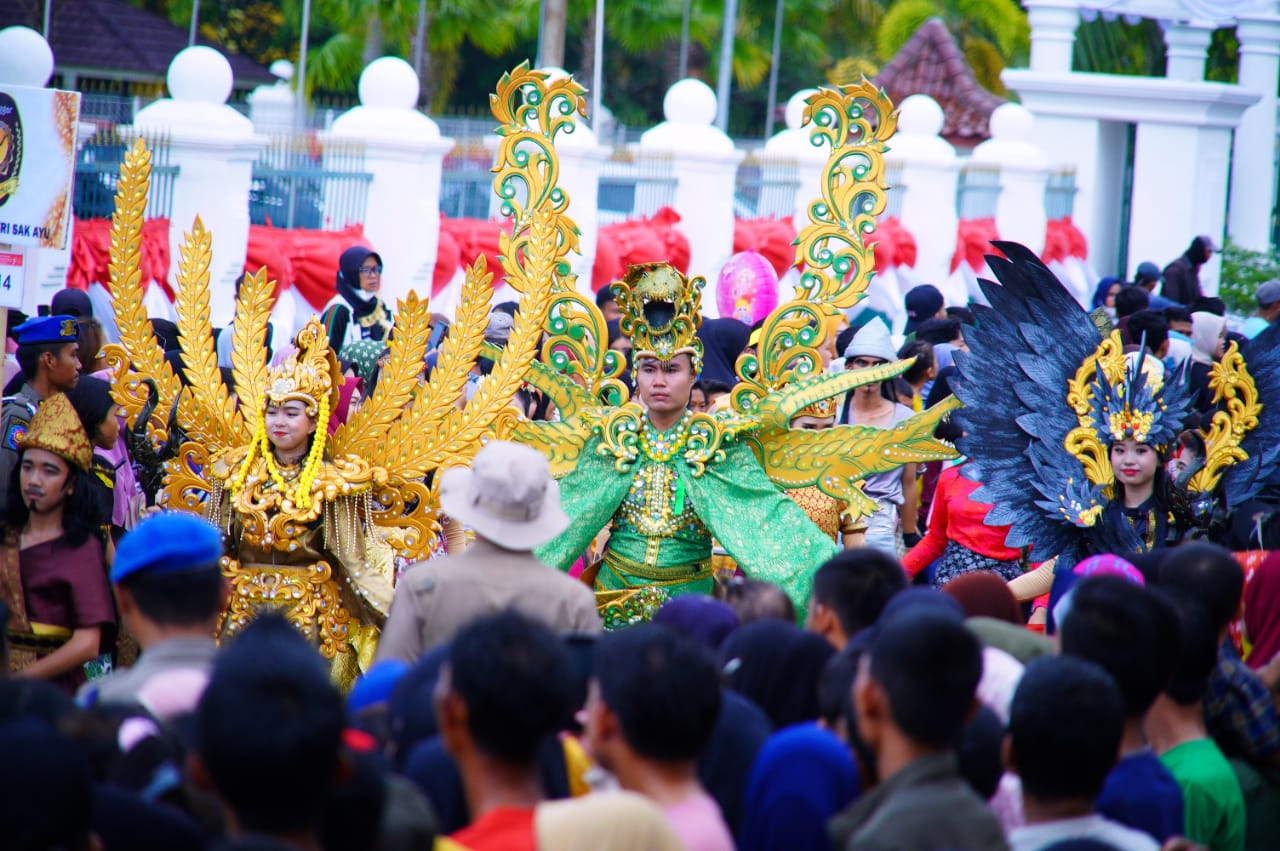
x=313, y=522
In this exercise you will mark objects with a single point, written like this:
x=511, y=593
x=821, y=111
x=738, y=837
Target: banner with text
x=37, y=165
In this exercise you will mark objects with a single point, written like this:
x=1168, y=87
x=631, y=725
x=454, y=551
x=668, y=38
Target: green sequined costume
x=664, y=517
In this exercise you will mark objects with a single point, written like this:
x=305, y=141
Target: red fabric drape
x=895, y=246
x=1062, y=239
x=649, y=240
x=973, y=242
x=91, y=254
x=773, y=239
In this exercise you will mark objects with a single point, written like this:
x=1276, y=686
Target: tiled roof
x=112, y=35
x=931, y=63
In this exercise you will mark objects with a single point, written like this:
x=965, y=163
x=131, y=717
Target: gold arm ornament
x=1231, y=382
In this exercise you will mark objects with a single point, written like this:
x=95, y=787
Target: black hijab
x=777, y=666
x=723, y=340
x=349, y=280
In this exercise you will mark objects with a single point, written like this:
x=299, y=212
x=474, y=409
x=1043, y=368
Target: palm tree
x=991, y=33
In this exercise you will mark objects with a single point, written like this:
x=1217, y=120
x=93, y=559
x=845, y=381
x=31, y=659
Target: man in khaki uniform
x=511, y=502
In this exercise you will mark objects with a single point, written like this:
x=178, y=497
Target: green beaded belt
x=620, y=564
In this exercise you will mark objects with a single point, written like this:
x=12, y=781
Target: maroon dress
x=53, y=589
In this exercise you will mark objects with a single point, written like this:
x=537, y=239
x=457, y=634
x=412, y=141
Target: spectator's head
x=654, y=698
x=167, y=577
x=985, y=594
x=1179, y=319
x=71, y=302
x=923, y=369
x=944, y=330
x=833, y=692
x=48, y=352
x=923, y=302
x=46, y=796
x=89, y=349
x=91, y=397
x=1148, y=276
x=1269, y=300
x=1208, y=574
x=608, y=304
x=507, y=496
x=850, y=591
x=915, y=688
x=705, y=393
x=777, y=666
x=269, y=731
x=1150, y=327
x=1127, y=631
x=1065, y=726
x=508, y=683
x=1195, y=652
x=1130, y=300
x=705, y=619
x=1209, y=304
x=754, y=600
x=1208, y=337
x=1201, y=249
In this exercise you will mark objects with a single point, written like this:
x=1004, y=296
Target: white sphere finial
x=1011, y=122
x=795, y=108
x=389, y=83
x=690, y=101
x=920, y=115
x=25, y=57
x=282, y=69
x=200, y=74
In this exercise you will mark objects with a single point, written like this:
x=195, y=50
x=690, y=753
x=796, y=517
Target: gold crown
x=661, y=312
x=310, y=375
x=56, y=428
x=822, y=409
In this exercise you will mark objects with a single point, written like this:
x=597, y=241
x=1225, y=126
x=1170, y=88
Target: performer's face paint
x=665, y=386
x=1134, y=463
x=45, y=480
x=289, y=425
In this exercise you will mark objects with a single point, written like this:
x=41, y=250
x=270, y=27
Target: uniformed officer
x=47, y=353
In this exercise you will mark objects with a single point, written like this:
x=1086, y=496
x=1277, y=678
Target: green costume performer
x=667, y=481
x=668, y=492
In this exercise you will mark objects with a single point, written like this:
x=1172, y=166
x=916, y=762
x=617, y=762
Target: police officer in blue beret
x=48, y=354
x=170, y=589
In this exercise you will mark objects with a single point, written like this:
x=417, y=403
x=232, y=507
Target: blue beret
x=48, y=329
x=167, y=542
x=376, y=684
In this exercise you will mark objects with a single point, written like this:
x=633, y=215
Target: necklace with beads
x=662, y=446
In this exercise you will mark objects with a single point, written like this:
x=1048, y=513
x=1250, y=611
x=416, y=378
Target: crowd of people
x=917, y=679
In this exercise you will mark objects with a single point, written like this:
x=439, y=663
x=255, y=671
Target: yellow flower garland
x=310, y=471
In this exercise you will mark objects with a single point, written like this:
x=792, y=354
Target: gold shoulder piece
x=1231, y=383
x=138, y=349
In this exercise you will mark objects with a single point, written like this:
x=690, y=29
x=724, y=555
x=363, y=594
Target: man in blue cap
x=47, y=353
x=170, y=591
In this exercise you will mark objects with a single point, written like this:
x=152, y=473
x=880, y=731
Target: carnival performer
x=313, y=522
x=1064, y=431
x=52, y=574
x=647, y=475
x=356, y=312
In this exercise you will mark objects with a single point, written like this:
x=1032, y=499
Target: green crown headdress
x=661, y=312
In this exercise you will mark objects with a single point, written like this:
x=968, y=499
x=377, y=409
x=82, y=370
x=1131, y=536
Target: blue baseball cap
x=168, y=542
x=60, y=328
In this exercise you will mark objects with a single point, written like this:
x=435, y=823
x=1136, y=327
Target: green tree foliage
x=992, y=33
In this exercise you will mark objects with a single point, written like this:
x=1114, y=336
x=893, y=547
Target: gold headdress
x=661, y=312
x=56, y=428
x=311, y=376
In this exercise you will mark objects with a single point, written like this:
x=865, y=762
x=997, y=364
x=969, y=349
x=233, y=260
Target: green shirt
x=1213, y=803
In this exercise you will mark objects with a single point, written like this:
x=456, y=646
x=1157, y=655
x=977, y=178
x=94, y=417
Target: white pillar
x=214, y=148
x=930, y=172
x=1187, y=48
x=1020, y=212
x=1253, y=179
x=1053, y=33
x=404, y=151
x=705, y=163
x=1179, y=190
x=794, y=145
x=271, y=107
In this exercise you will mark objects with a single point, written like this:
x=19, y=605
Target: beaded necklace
x=662, y=446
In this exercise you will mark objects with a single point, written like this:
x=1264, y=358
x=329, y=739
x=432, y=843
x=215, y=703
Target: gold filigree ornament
x=1231, y=383
x=375, y=468
x=1085, y=441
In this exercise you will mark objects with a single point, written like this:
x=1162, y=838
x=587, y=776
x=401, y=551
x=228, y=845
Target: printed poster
x=37, y=165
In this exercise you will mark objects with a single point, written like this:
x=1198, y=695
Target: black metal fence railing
x=634, y=186
x=302, y=181
x=98, y=171
x=466, y=181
